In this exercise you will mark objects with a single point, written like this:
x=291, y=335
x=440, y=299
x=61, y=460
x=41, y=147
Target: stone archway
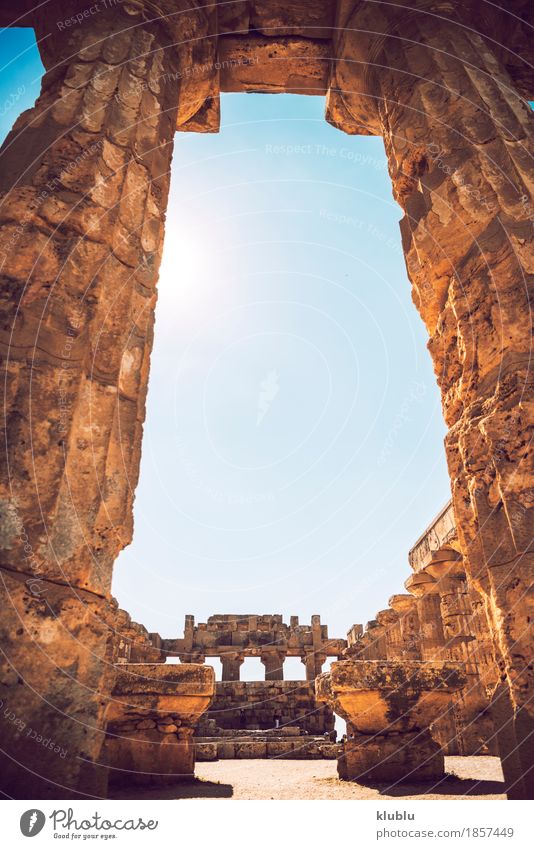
x=84, y=189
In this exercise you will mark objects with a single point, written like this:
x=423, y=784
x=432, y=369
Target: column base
x=514, y=730
x=150, y=756
x=54, y=677
x=155, y=707
x=411, y=757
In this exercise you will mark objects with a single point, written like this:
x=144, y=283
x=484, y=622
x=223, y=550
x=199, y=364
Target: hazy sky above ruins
x=293, y=445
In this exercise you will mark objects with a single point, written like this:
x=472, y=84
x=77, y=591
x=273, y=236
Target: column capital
x=273, y=660
x=231, y=662
x=367, y=41
x=402, y=603
x=387, y=617
x=421, y=583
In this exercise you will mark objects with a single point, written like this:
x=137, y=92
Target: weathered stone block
x=206, y=752
x=55, y=679
x=389, y=705
x=225, y=749
x=369, y=758
x=252, y=749
x=158, y=751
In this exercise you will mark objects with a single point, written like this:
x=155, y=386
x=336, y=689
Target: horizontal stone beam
x=276, y=65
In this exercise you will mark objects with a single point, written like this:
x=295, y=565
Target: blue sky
x=293, y=448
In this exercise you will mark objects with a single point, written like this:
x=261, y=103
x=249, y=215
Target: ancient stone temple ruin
x=262, y=718
x=234, y=637
x=83, y=194
x=425, y=661
x=246, y=719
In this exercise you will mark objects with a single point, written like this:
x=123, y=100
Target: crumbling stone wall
x=132, y=642
x=151, y=720
x=232, y=637
x=259, y=705
x=440, y=620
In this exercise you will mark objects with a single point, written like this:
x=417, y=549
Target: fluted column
x=408, y=625
x=389, y=620
x=231, y=665
x=432, y=646
x=471, y=705
x=273, y=662
x=458, y=137
x=432, y=639
x=313, y=661
x=83, y=192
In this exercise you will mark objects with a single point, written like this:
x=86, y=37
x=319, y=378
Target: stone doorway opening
x=310, y=280
x=289, y=163
x=84, y=197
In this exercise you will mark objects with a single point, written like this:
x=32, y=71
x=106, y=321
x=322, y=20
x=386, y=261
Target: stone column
x=314, y=663
x=83, y=191
x=389, y=707
x=409, y=627
x=231, y=665
x=471, y=705
x=432, y=639
x=389, y=620
x=155, y=708
x=458, y=137
x=273, y=662
x=308, y=660
x=432, y=647
x=374, y=641
x=354, y=634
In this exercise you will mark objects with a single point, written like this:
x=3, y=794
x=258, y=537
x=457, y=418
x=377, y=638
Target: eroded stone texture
x=459, y=144
x=432, y=648
x=84, y=185
x=439, y=620
x=405, y=644
x=283, y=64
x=261, y=705
x=85, y=181
x=132, y=642
x=152, y=715
x=87, y=173
x=232, y=637
x=55, y=671
x=390, y=707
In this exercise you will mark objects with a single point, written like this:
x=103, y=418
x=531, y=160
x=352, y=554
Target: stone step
x=300, y=748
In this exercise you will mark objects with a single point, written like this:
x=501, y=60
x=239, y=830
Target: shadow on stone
x=451, y=785
x=194, y=789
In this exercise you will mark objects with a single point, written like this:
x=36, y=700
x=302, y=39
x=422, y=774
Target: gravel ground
x=470, y=778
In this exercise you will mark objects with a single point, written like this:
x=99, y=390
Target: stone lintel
x=285, y=64
x=182, y=679
x=440, y=535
